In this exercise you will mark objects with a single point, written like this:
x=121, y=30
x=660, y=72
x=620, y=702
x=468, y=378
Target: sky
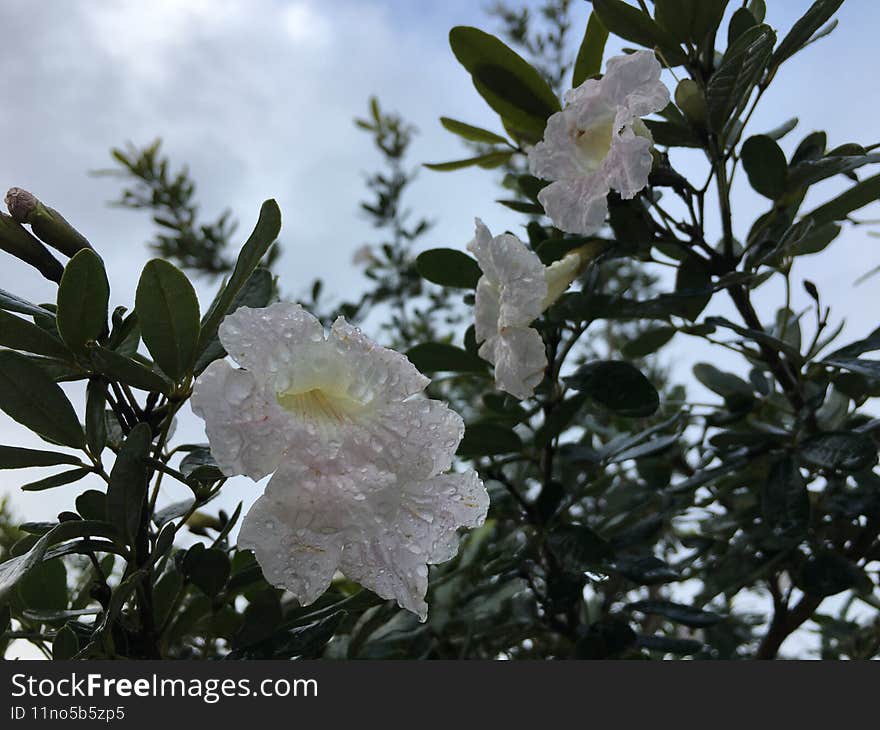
x=258, y=96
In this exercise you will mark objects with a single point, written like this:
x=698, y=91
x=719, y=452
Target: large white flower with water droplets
x=599, y=143
x=511, y=294
x=359, y=456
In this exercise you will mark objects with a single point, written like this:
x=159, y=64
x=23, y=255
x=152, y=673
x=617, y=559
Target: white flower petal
x=379, y=530
x=598, y=143
x=578, y=205
x=340, y=420
x=628, y=164
x=247, y=429
x=293, y=551
x=520, y=360
x=632, y=82
x=381, y=374
x=268, y=340
x=487, y=309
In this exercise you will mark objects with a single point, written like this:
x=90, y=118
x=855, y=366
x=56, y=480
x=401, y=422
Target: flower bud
x=15, y=239
x=47, y=223
x=691, y=100
x=560, y=274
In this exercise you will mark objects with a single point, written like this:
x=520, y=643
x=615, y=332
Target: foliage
x=627, y=520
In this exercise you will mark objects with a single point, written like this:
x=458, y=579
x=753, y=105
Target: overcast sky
x=257, y=97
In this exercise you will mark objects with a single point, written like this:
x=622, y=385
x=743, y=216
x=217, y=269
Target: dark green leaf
x=264, y=235
x=487, y=439
x=828, y=573
x=168, y=313
x=19, y=334
x=12, y=303
x=803, y=29
x=727, y=385
x=128, y=371
x=488, y=161
x=32, y=398
x=765, y=165
x=632, y=24
x=471, y=133
x=645, y=570
x=578, y=548
x=840, y=450
x=15, y=457
x=208, y=569
x=670, y=645
x=57, y=480
x=785, y=501
x=96, y=423
x=127, y=490
x=509, y=84
x=45, y=586
x=65, y=645
x=669, y=134
x=257, y=292
x=731, y=85
x=92, y=505
x=589, y=58
x=83, y=297
x=677, y=613
x=558, y=420
x=618, y=386
x=868, y=368
x=448, y=267
x=648, y=342
x=432, y=357
x=858, y=196
x=690, y=20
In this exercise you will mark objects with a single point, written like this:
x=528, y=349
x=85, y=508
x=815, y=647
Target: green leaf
x=127, y=489
x=45, y=586
x=741, y=21
x=828, y=573
x=432, y=357
x=15, y=568
x=488, y=161
x=637, y=26
x=868, y=368
x=57, y=480
x=449, y=267
x=12, y=303
x=128, y=371
x=264, y=235
x=257, y=292
x=83, y=298
x=578, y=548
x=727, y=385
x=168, y=313
x=765, y=165
x=558, y=420
x=19, y=334
x=92, y=505
x=741, y=68
x=509, y=84
x=208, y=569
x=645, y=570
x=65, y=645
x=589, y=58
x=847, y=451
x=858, y=196
x=199, y=465
x=487, y=439
x=690, y=20
x=32, y=398
x=670, y=134
x=809, y=172
x=648, y=342
x=15, y=457
x=618, y=386
x=677, y=613
x=801, y=32
x=471, y=133
x=96, y=422
x=785, y=501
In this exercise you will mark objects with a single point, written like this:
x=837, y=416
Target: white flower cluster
x=360, y=459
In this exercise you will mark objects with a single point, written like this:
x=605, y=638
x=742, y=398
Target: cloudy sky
x=257, y=97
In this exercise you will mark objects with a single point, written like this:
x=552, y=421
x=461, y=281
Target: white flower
x=359, y=462
x=512, y=292
x=598, y=142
